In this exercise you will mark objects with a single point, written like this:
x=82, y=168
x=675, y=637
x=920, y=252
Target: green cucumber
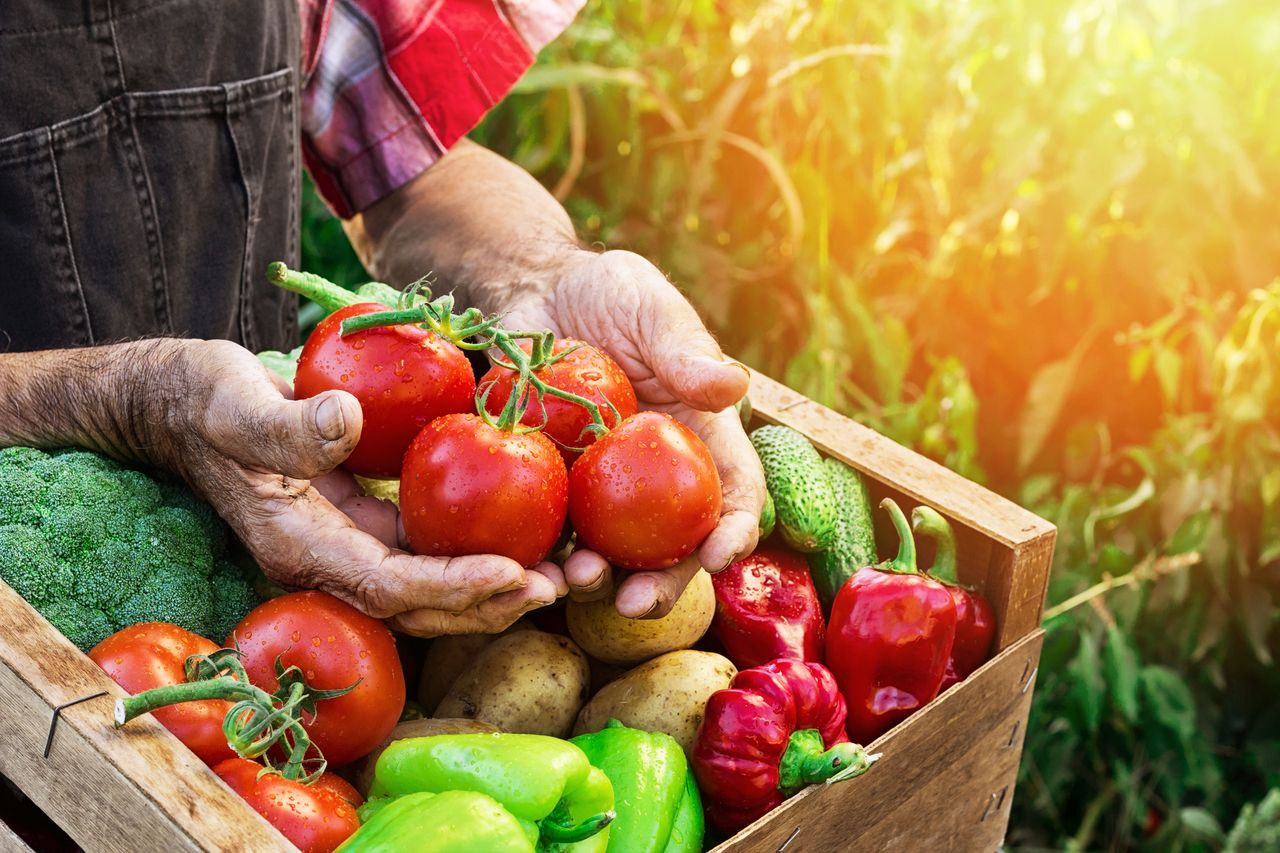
x=798, y=481
x=854, y=544
x=768, y=517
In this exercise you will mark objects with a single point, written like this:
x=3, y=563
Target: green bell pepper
x=451, y=822
x=656, y=798
x=542, y=780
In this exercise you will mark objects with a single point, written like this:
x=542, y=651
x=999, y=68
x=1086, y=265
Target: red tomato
x=314, y=818
x=468, y=488
x=341, y=787
x=334, y=645
x=403, y=377
x=151, y=654
x=645, y=495
x=587, y=372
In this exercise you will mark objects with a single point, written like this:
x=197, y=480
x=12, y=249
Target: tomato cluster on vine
x=551, y=432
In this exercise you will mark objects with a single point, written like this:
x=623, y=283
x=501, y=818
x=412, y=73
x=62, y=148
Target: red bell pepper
x=774, y=730
x=975, y=623
x=767, y=608
x=890, y=638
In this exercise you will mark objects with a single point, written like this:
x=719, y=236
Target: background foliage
x=1037, y=240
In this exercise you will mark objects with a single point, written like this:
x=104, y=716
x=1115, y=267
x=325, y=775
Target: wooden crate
x=945, y=781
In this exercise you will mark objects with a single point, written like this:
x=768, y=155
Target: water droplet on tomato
x=315, y=641
x=296, y=636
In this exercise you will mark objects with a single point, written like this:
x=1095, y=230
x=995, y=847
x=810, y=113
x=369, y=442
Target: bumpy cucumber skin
x=798, y=481
x=854, y=544
x=768, y=517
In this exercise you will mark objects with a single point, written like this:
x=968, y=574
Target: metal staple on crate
x=792, y=837
x=994, y=802
x=57, y=712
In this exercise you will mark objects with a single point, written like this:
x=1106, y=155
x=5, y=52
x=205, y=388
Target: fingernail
x=649, y=614
x=595, y=584
x=514, y=585
x=330, y=422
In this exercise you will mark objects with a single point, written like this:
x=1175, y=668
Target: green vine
x=258, y=721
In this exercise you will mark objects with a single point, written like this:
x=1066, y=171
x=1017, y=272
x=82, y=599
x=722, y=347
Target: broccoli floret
x=82, y=625
x=21, y=494
x=175, y=532
x=18, y=458
x=233, y=596
x=28, y=564
x=113, y=572
x=172, y=594
x=96, y=546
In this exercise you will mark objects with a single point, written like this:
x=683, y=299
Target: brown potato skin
x=530, y=682
x=447, y=657
x=605, y=635
x=667, y=694
x=362, y=771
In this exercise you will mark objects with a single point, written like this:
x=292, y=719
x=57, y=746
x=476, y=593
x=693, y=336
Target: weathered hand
x=623, y=304
x=266, y=464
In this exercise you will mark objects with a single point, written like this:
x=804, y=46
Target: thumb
x=688, y=362
x=263, y=430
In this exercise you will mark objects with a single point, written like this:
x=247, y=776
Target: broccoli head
x=95, y=547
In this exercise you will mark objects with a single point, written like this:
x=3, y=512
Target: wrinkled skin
x=212, y=412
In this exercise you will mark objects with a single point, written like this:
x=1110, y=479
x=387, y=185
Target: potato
x=528, y=681
x=598, y=628
x=667, y=694
x=362, y=772
x=447, y=657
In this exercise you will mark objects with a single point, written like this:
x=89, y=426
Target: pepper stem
x=806, y=762
x=319, y=290
x=553, y=830
x=927, y=521
x=905, y=562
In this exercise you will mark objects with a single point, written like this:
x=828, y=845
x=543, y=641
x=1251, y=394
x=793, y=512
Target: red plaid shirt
x=390, y=85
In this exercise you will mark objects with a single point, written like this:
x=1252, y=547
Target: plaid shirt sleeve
x=390, y=85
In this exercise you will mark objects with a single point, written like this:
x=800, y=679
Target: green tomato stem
x=321, y=291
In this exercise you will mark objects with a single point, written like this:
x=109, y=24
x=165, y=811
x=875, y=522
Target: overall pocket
x=156, y=213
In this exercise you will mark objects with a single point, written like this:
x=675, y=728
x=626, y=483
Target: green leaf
x=1120, y=665
x=1201, y=825
x=1168, y=367
x=1045, y=399
x=1088, y=688
x=1168, y=702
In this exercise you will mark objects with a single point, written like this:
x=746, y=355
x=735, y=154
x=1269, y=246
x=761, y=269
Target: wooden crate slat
x=944, y=781
x=133, y=789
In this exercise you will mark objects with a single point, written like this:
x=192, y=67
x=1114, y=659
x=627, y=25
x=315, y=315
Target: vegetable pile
x=574, y=730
